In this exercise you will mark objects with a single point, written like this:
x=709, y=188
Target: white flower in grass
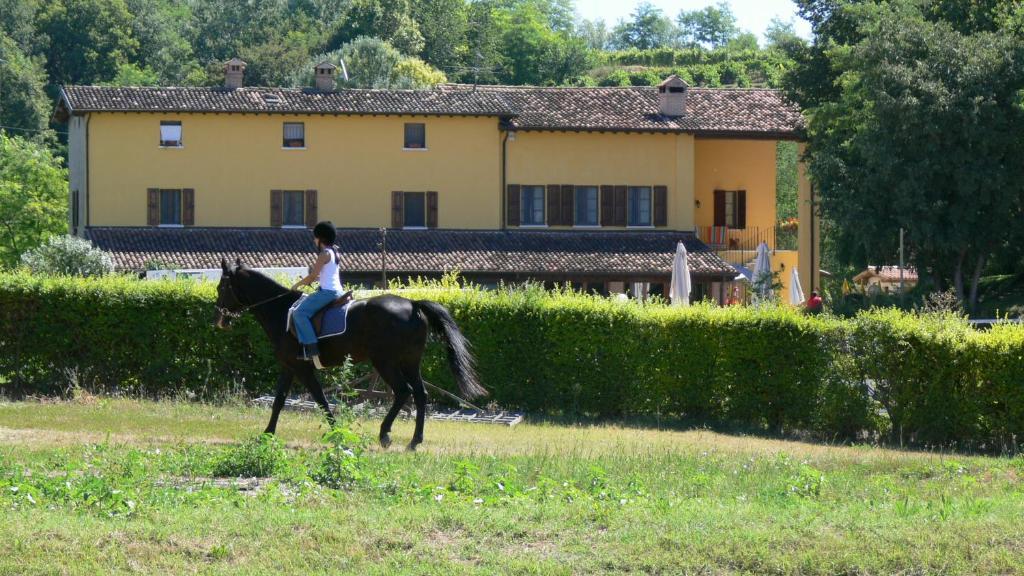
x=438, y=497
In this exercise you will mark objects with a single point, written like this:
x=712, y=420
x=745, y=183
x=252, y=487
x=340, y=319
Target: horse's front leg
x=308, y=376
x=284, y=383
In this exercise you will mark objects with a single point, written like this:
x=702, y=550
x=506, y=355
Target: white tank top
x=330, y=276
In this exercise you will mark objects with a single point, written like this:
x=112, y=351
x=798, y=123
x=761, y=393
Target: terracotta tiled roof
x=282, y=100
x=887, y=273
x=710, y=111
x=416, y=251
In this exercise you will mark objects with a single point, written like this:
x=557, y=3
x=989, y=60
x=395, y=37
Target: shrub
x=929, y=378
x=68, y=256
x=257, y=457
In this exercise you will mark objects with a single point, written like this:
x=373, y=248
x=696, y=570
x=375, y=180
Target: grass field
x=118, y=486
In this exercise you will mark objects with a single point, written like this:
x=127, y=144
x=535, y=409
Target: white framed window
x=293, y=208
x=532, y=210
x=170, y=134
x=586, y=206
x=640, y=206
x=294, y=135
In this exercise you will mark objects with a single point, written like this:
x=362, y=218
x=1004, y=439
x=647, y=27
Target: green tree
x=711, y=26
x=648, y=27
x=443, y=25
x=780, y=32
x=67, y=256
x=924, y=134
x=161, y=28
x=596, y=34
x=373, y=63
x=133, y=75
x=24, y=105
x=88, y=39
x=33, y=196
x=389, y=20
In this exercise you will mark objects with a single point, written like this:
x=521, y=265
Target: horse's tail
x=460, y=359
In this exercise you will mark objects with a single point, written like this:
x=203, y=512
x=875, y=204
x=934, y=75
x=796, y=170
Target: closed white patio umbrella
x=763, y=271
x=679, y=290
x=796, y=292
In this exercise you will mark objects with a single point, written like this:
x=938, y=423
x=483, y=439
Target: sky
x=751, y=15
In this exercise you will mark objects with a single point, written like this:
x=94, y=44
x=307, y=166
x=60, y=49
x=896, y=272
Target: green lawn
x=1001, y=296
x=118, y=486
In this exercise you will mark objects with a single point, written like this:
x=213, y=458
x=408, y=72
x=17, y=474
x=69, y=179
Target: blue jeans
x=309, y=307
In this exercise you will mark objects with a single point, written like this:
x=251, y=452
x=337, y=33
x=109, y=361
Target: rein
x=247, y=307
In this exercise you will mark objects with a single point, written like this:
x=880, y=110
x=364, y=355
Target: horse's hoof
x=411, y=447
x=385, y=441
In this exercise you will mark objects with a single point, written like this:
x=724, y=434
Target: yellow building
x=589, y=185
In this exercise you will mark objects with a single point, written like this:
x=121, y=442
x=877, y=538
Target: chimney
x=672, y=97
x=324, y=73
x=234, y=73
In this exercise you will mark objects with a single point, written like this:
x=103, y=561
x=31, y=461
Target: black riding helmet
x=325, y=233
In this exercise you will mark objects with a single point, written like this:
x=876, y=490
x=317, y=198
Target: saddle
x=331, y=320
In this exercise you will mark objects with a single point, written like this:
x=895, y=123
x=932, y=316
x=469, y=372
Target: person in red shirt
x=814, y=304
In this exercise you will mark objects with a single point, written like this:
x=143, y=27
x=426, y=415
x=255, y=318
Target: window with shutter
x=276, y=200
x=431, y=209
x=512, y=198
x=586, y=206
x=554, y=215
x=170, y=134
x=568, y=201
x=731, y=208
x=311, y=209
x=294, y=135
x=607, y=205
x=661, y=205
x=620, y=206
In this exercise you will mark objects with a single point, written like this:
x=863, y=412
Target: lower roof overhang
x=500, y=253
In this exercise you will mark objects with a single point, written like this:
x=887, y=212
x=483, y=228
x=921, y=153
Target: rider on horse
x=325, y=271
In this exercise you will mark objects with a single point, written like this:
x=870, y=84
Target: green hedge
x=921, y=380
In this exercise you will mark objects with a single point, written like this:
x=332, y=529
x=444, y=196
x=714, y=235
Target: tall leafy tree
x=711, y=26
x=647, y=27
x=24, y=105
x=33, y=196
x=923, y=134
x=88, y=39
x=443, y=25
x=389, y=20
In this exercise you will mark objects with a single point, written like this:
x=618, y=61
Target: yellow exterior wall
x=233, y=161
x=596, y=158
x=736, y=165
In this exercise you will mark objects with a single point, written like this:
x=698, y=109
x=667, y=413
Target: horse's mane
x=260, y=281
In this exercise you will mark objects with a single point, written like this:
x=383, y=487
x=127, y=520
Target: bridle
x=245, y=307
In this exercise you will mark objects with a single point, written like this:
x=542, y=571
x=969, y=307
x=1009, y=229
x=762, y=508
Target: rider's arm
x=314, y=272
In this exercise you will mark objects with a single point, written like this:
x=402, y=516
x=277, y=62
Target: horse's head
x=229, y=306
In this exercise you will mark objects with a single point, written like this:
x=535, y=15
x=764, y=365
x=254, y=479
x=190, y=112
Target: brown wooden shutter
x=276, y=208
x=661, y=205
x=431, y=209
x=741, y=209
x=554, y=204
x=719, y=207
x=620, y=206
x=607, y=205
x=397, y=209
x=188, y=207
x=568, y=199
x=311, y=209
x=153, y=206
x=512, y=205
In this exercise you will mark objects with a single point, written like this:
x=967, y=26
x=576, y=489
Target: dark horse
x=387, y=330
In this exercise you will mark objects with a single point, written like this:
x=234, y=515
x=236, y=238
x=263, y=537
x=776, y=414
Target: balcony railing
x=739, y=245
